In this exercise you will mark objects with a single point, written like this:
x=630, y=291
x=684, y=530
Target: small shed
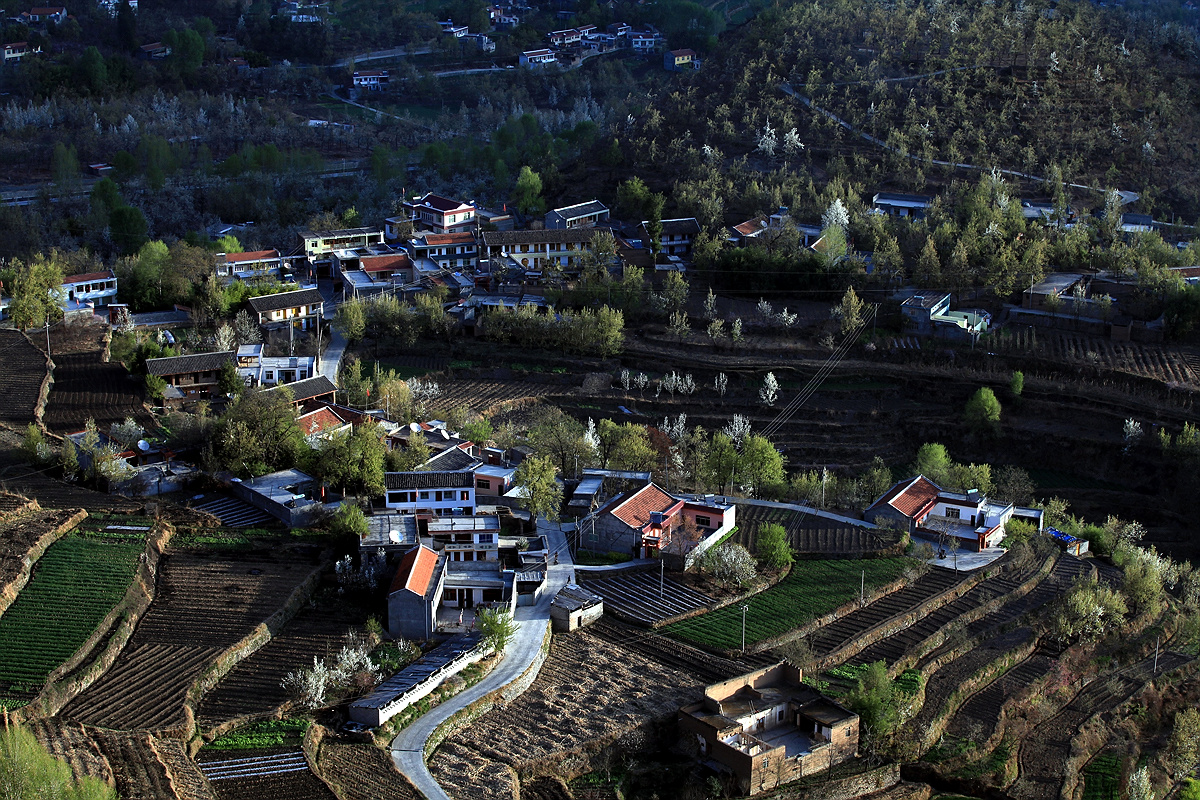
x=575, y=607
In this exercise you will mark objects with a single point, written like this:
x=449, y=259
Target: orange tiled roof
x=750, y=226
x=415, y=571
x=911, y=497
x=251, y=256
x=381, y=263
x=320, y=420
x=449, y=238
x=87, y=277
x=635, y=510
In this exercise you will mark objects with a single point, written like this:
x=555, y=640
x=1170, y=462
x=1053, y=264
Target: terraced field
x=254, y=775
x=977, y=718
x=483, y=395
x=363, y=772
x=811, y=589
x=206, y=602
x=25, y=533
x=641, y=597
x=71, y=743
x=254, y=687
x=807, y=532
x=87, y=388
x=24, y=369
x=75, y=584
x=844, y=631
x=140, y=774
x=1045, y=751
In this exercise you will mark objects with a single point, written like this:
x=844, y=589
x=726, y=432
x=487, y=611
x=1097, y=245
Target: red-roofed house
x=439, y=214
x=15, y=51
x=648, y=521
x=323, y=423
x=415, y=594
x=920, y=505
x=92, y=289
x=392, y=266
x=55, y=14
x=447, y=250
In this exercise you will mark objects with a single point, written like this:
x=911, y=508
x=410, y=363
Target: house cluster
x=569, y=45
x=462, y=33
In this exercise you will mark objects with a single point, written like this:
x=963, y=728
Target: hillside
x=1106, y=97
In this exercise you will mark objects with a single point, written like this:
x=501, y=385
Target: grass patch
x=462, y=363
x=268, y=733
x=1102, y=779
x=75, y=583
x=592, y=558
x=215, y=538
x=993, y=764
x=390, y=657
x=811, y=589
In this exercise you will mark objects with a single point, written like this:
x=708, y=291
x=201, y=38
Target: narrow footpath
x=408, y=748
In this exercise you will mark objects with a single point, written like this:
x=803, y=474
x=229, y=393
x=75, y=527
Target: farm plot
x=22, y=538
x=205, y=602
x=811, y=589
x=594, y=685
x=363, y=772
x=71, y=743
x=74, y=586
x=254, y=687
x=140, y=774
x=483, y=395
x=977, y=718
x=808, y=533
x=1147, y=361
x=84, y=387
x=275, y=773
x=24, y=369
x=13, y=504
x=641, y=597
x=1044, y=753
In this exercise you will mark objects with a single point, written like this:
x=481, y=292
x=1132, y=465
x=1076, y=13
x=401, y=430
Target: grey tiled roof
x=198, y=362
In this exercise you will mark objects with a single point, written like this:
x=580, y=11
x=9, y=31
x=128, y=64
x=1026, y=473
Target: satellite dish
x=143, y=445
x=443, y=433
x=414, y=427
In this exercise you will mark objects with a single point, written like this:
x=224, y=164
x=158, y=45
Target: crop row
x=74, y=586
x=811, y=589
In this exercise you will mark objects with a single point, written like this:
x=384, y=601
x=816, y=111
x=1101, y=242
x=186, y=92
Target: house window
x=951, y=513
x=425, y=495
x=464, y=496
x=269, y=375
x=704, y=522
x=482, y=484
x=485, y=538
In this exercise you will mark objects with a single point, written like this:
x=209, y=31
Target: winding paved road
x=408, y=748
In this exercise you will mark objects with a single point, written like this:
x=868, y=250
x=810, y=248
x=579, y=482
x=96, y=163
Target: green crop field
x=1102, y=779
x=811, y=589
x=74, y=586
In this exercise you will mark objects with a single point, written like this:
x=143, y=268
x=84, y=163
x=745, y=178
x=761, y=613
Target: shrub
x=729, y=563
x=1017, y=383
x=1018, y=530
x=874, y=700
x=1087, y=612
x=349, y=521
x=983, y=411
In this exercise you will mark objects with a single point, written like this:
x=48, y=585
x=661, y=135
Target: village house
x=155, y=51
x=767, y=728
x=574, y=607
x=649, y=521
x=251, y=266
x=645, y=41
x=929, y=314
x=301, y=309
x=564, y=38
x=680, y=60
x=918, y=505
x=91, y=290
x=259, y=370
x=370, y=80
x=290, y=496
x=765, y=226
x=901, y=205
x=318, y=246
x=452, y=30
x=440, y=493
x=678, y=236
x=447, y=250
x=315, y=389
x=1052, y=292
x=539, y=249
x=45, y=14
x=415, y=594
x=580, y=215
x=537, y=58
x=189, y=376
x=16, y=51
x=322, y=424
x=437, y=214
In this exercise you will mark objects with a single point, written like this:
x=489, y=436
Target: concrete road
x=408, y=748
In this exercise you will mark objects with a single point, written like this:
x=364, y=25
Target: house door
x=287, y=375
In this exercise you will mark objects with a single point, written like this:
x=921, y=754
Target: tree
x=69, y=459
x=528, y=193
x=933, y=462
x=351, y=320
x=1016, y=383
x=1184, y=748
x=1013, y=485
x=849, y=312
x=349, y=521
x=560, y=437
x=127, y=26
x=34, y=446
x=64, y=167
x=543, y=494
x=760, y=464
x=774, y=550
x=478, y=431
x=654, y=226
x=1087, y=612
x=37, y=293
x=92, y=71
x=769, y=392
x=983, y=411
x=874, y=700
x=675, y=291
x=128, y=228
x=729, y=563
x=497, y=626
x=1140, y=787
x=29, y=770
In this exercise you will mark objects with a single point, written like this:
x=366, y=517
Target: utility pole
x=862, y=589
x=662, y=576
x=1156, y=641
x=745, y=608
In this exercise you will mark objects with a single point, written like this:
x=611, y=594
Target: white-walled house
x=90, y=289
x=302, y=308
x=442, y=494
